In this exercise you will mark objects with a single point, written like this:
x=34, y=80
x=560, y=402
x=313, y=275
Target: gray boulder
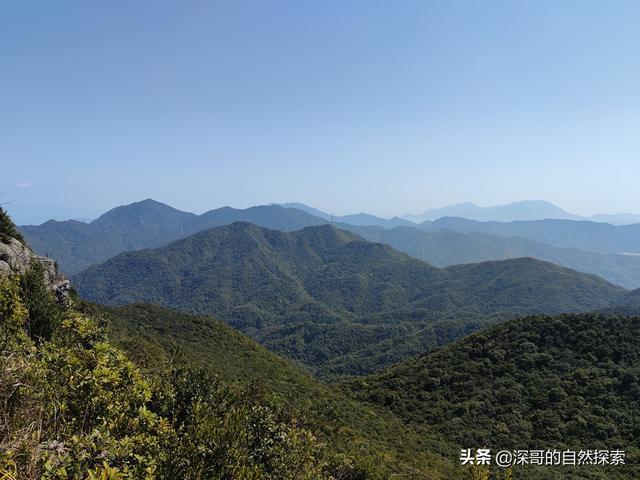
x=15, y=258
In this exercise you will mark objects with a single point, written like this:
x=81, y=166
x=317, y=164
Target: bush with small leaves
x=44, y=314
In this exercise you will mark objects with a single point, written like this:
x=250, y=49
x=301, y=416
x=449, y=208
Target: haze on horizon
x=348, y=107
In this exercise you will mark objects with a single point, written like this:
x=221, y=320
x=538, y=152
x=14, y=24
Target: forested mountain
x=632, y=298
x=147, y=224
x=590, y=236
x=628, y=305
x=542, y=382
x=443, y=248
x=325, y=297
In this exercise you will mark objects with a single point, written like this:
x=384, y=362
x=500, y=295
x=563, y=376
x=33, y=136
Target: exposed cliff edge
x=17, y=258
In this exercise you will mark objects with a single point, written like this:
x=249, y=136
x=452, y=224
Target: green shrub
x=232, y=433
x=13, y=312
x=8, y=229
x=44, y=314
x=73, y=406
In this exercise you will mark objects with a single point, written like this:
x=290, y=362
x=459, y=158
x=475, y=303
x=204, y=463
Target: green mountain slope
x=155, y=337
x=322, y=294
x=628, y=305
x=570, y=381
x=153, y=334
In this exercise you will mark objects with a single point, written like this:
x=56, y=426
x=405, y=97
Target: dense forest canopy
x=533, y=383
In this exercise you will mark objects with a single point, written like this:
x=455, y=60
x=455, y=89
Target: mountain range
x=446, y=247
x=146, y=224
x=590, y=236
x=584, y=246
x=328, y=298
x=524, y=210
x=358, y=219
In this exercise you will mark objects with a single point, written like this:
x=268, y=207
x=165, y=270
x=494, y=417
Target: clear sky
x=381, y=106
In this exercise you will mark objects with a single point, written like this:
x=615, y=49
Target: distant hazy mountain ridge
x=358, y=219
x=524, y=210
x=590, y=236
x=446, y=246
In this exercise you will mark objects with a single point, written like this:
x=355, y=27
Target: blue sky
x=386, y=107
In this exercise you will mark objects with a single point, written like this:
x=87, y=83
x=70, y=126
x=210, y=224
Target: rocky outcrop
x=16, y=258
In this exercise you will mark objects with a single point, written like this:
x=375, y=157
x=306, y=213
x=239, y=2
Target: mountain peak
x=145, y=212
x=328, y=232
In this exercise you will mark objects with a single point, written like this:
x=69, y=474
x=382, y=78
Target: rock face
x=15, y=258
